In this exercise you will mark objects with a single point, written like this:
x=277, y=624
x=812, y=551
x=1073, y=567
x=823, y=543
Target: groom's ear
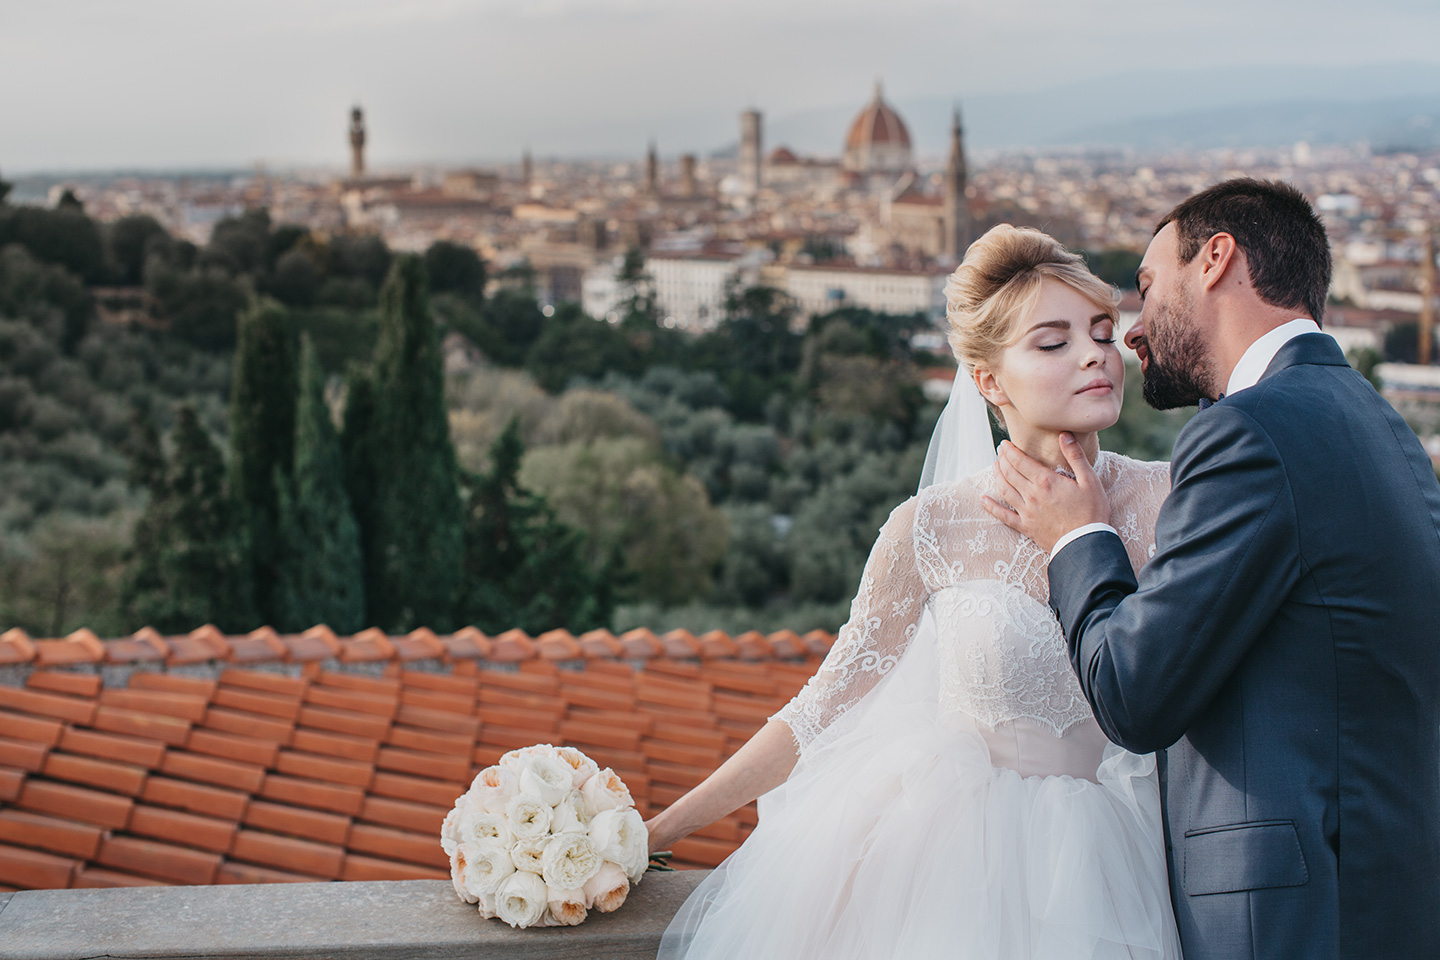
x=1219, y=258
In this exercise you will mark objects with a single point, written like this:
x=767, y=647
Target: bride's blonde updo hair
x=998, y=285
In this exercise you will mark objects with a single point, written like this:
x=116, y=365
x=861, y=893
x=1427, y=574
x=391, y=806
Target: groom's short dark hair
x=1283, y=240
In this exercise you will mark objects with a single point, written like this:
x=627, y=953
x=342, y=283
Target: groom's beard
x=1178, y=374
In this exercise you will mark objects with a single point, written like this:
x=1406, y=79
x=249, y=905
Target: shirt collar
x=1257, y=358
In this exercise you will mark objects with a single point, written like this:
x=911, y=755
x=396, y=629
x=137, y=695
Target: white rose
x=569, y=815
x=450, y=826
x=521, y=900
x=567, y=907
x=487, y=907
x=607, y=889
x=515, y=760
x=569, y=860
x=620, y=836
x=480, y=826
x=605, y=791
x=584, y=767
x=457, y=877
x=492, y=788
x=487, y=864
x=548, y=778
x=527, y=853
x=529, y=816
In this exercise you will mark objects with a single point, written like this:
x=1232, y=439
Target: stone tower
x=527, y=168
x=687, y=175
x=750, y=153
x=652, y=171
x=357, y=143
x=958, y=225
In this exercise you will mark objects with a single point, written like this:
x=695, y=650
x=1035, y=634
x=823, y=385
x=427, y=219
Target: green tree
x=130, y=241
x=189, y=561
x=64, y=236
x=262, y=437
x=200, y=305
x=452, y=268
x=411, y=526
x=571, y=345
x=523, y=567
x=321, y=569
x=241, y=244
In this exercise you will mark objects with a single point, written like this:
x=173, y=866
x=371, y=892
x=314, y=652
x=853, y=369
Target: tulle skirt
x=889, y=845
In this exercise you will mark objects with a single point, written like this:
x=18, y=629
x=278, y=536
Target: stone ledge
x=396, y=920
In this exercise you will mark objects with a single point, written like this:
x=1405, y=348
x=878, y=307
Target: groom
x=1284, y=641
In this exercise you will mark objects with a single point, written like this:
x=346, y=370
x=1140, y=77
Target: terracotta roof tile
x=322, y=633
x=173, y=683
x=34, y=729
x=25, y=755
x=195, y=797
x=82, y=646
x=421, y=644
x=425, y=741
x=680, y=644
x=393, y=844
x=818, y=642
x=439, y=683
x=628, y=719
x=136, y=751
x=558, y=645
x=539, y=703
x=307, y=824
x=231, y=872
x=752, y=645
x=594, y=734
x=163, y=861
x=171, y=730
x=99, y=878
x=701, y=850
x=189, y=649
x=51, y=834
x=341, y=745
x=367, y=646
x=257, y=646
x=146, y=647
x=717, y=645
x=438, y=793
x=32, y=869
x=336, y=797
x=510, y=738
x=324, y=696
x=12, y=784
x=441, y=720
x=115, y=777
x=360, y=683
x=538, y=721
x=641, y=644
x=248, y=724
x=514, y=681
x=359, y=867
x=186, y=706
x=253, y=701
x=684, y=669
x=16, y=647
x=233, y=747
x=665, y=692
x=703, y=719
x=210, y=636
x=366, y=725
x=289, y=853
x=511, y=646
x=466, y=644
x=310, y=647
x=456, y=767
x=582, y=695
x=438, y=700
x=65, y=681
x=207, y=833
x=57, y=706
x=76, y=803
x=273, y=684
x=416, y=817
x=671, y=752
x=214, y=770
x=319, y=767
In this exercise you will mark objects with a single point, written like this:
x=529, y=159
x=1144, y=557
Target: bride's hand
x=1042, y=504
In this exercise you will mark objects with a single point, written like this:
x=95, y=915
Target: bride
x=940, y=788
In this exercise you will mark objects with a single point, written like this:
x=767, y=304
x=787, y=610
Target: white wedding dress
x=954, y=796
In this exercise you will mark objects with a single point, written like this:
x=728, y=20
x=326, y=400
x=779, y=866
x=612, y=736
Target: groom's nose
x=1135, y=334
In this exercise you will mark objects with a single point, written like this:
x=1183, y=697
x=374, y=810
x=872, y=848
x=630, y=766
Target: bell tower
x=357, y=143
x=957, y=206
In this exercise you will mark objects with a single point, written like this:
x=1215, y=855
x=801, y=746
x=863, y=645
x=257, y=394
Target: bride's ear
x=989, y=387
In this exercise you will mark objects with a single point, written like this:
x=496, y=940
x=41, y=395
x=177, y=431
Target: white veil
x=962, y=443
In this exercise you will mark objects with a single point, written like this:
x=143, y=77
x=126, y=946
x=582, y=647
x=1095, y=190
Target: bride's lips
x=1097, y=386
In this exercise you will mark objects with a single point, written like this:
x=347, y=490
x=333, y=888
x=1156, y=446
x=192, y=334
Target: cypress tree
x=357, y=448
x=191, y=561
x=321, y=574
x=523, y=567
x=262, y=437
x=415, y=548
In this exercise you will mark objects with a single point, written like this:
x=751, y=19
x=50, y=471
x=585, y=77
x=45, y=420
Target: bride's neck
x=1044, y=445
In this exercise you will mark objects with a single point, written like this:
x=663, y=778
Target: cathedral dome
x=878, y=141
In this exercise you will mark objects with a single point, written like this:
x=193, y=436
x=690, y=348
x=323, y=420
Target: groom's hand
x=1042, y=504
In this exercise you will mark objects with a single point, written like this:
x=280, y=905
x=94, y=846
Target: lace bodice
x=1002, y=657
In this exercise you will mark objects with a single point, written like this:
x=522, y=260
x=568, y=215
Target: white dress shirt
x=1253, y=363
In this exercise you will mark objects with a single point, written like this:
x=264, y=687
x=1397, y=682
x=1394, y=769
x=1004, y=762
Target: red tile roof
x=268, y=758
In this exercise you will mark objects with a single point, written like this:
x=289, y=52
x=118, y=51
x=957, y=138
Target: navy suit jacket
x=1284, y=644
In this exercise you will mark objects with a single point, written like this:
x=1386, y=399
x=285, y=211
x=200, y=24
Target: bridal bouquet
x=543, y=837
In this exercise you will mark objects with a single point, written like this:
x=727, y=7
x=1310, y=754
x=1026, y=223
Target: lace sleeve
x=1140, y=488
x=883, y=618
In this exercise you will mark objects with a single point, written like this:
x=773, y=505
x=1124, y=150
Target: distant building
x=750, y=153
x=819, y=289
x=357, y=143
x=878, y=141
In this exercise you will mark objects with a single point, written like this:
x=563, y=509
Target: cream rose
x=480, y=826
x=527, y=853
x=608, y=888
x=515, y=760
x=620, y=836
x=492, y=788
x=569, y=815
x=584, y=767
x=548, y=778
x=567, y=907
x=605, y=791
x=457, y=877
x=521, y=900
x=487, y=907
x=487, y=864
x=529, y=816
x=569, y=860
x=450, y=835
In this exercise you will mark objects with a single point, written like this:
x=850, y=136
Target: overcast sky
x=96, y=84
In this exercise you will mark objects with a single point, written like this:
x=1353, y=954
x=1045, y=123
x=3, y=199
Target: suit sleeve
x=1152, y=653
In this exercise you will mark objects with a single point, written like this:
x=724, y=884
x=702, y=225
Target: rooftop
x=214, y=759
